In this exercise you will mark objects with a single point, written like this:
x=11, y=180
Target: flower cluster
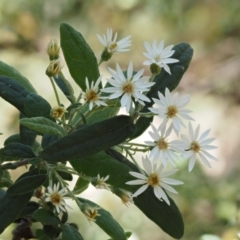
x=129, y=89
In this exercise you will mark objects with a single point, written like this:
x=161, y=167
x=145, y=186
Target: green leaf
x=61, y=84
x=106, y=222
x=10, y=207
x=79, y=56
x=15, y=138
x=104, y=165
x=70, y=232
x=41, y=235
x=44, y=126
x=13, y=92
x=80, y=186
x=36, y=106
x=90, y=139
x=27, y=135
x=27, y=184
x=5, y=179
x=6, y=70
x=28, y=210
x=166, y=217
x=17, y=150
x=184, y=53
x=46, y=217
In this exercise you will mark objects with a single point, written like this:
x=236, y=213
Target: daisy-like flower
x=128, y=87
x=172, y=108
x=159, y=56
x=155, y=178
x=56, y=197
x=92, y=95
x=100, y=182
x=112, y=46
x=163, y=148
x=198, y=146
x=91, y=212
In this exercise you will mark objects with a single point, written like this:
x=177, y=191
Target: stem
x=55, y=91
x=100, y=62
x=139, y=168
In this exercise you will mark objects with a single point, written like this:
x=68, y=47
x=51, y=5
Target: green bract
x=93, y=142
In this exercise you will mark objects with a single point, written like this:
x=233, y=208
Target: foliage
x=93, y=141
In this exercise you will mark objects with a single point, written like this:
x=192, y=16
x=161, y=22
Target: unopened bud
x=155, y=69
x=53, y=49
x=106, y=55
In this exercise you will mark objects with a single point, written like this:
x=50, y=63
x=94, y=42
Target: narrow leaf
x=46, y=217
x=17, y=150
x=79, y=56
x=13, y=92
x=43, y=126
x=10, y=207
x=6, y=70
x=70, y=232
x=37, y=106
x=61, y=84
x=28, y=210
x=27, y=135
x=90, y=139
x=27, y=184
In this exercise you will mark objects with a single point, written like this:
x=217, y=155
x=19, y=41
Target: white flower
x=112, y=45
x=101, y=182
x=91, y=95
x=156, y=54
x=172, y=108
x=198, y=146
x=55, y=196
x=130, y=86
x=155, y=178
x=163, y=148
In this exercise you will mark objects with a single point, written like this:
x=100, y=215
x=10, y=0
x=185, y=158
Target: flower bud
x=57, y=112
x=155, y=69
x=91, y=212
x=54, y=68
x=106, y=55
x=53, y=49
x=125, y=196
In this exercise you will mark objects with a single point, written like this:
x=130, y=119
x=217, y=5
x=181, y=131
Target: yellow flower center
x=113, y=47
x=162, y=144
x=91, y=96
x=128, y=88
x=153, y=180
x=195, y=146
x=56, y=198
x=172, y=111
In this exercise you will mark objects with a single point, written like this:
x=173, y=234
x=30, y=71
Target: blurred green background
x=210, y=198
